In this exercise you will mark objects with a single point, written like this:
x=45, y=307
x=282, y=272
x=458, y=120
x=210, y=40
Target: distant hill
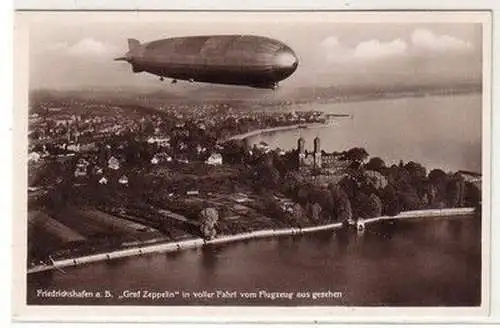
x=206, y=93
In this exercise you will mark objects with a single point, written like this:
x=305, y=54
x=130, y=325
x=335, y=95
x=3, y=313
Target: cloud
x=375, y=48
x=330, y=42
x=87, y=47
x=334, y=50
x=426, y=39
x=58, y=46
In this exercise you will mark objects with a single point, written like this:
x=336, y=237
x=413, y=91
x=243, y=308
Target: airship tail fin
x=133, y=43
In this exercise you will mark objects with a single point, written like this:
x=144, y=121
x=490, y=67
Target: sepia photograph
x=253, y=159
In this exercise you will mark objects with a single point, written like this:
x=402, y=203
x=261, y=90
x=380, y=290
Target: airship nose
x=285, y=63
x=285, y=59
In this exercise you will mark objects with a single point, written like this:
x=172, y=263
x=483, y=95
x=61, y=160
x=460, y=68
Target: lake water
x=433, y=262
x=437, y=131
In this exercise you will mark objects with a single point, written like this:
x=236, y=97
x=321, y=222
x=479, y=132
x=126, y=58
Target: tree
x=341, y=204
x=349, y=186
x=390, y=202
x=376, y=205
x=367, y=206
x=234, y=151
x=409, y=198
x=375, y=164
x=208, y=218
x=438, y=188
x=472, y=195
x=455, y=191
x=303, y=194
x=264, y=174
x=416, y=170
x=375, y=179
x=356, y=154
x=417, y=174
x=316, y=212
x=437, y=177
x=298, y=215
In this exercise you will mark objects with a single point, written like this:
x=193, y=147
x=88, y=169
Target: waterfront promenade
x=199, y=242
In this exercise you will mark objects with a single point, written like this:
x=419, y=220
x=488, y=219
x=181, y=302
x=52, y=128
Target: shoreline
x=257, y=132
x=199, y=242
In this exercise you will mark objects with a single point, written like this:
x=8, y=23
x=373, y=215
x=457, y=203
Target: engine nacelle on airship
x=248, y=60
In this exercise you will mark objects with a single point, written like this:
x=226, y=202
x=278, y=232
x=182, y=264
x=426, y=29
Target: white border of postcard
x=21, y=312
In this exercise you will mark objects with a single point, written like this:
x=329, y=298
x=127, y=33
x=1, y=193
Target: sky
x=70, y=50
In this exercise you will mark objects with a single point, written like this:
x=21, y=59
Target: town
x=104, y=176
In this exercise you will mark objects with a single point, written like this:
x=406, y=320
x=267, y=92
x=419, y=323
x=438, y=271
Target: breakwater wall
x=199, y=242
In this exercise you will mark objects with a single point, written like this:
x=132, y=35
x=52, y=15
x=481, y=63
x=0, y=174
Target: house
x=160, y=141
x=155, y=160
x=160, y=158
x=73, y=147
x=240, y=197
x=214, y=159
x=34, y=156
x=88, y=147
x=81, y=167
x=98, y=170
x=123, y=180
x=113, y=163
x=103, y=181
x=192, y=192
x=264, y=147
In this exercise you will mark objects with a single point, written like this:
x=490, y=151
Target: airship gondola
x=246, y=60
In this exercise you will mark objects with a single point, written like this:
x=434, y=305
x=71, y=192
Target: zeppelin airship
x=246, y=60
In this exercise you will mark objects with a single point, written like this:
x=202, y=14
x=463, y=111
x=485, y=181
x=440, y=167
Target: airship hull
x=228, y=59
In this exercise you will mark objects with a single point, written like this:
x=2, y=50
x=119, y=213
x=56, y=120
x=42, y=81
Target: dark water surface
x=426, y=262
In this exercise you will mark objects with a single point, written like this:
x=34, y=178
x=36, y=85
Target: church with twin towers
x=317, y=159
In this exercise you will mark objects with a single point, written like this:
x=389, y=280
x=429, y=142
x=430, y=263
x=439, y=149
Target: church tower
x=301, y=149
x=317, y=153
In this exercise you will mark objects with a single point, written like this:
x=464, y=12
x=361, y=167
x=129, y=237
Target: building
x=155, y=160
x=160, y=158
x=81, y=167
x=214, y=159
x=264, y=147
x=160, y=141
x=73, y=147
x=308, y=159
x=318, y=159
x=123, y=180
x=114, y=163
x=34, y=156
